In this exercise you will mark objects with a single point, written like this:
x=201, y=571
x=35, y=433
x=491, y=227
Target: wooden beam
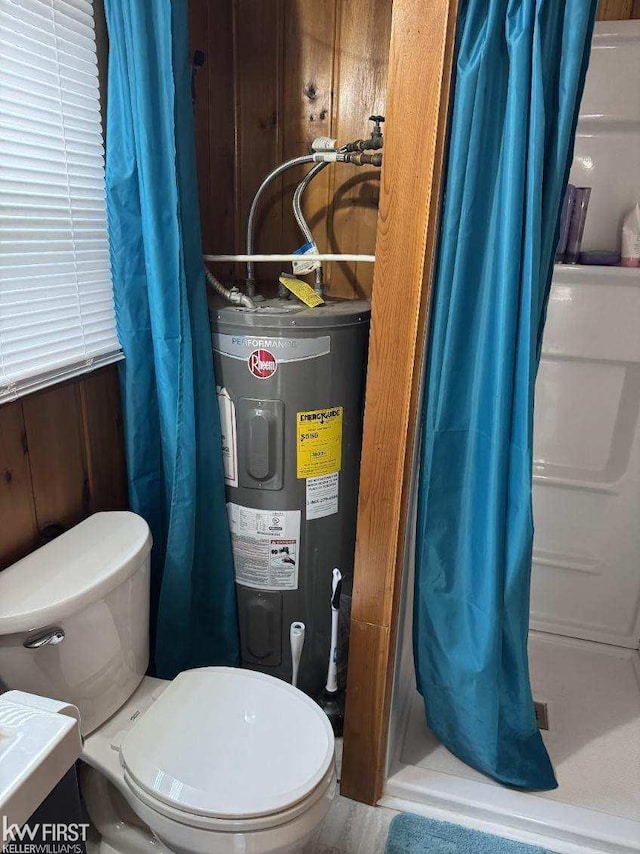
x=422, y=41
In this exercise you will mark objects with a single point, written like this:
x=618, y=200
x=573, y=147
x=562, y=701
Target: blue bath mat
x=412, y=834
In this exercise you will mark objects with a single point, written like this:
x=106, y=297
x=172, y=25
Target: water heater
x=291, y=393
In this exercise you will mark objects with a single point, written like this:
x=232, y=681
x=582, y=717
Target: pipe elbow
x=232, y=295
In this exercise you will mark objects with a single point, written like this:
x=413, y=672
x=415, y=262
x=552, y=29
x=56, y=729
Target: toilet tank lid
x=77, y=568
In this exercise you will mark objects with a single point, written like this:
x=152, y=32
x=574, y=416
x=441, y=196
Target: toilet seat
x=147, y=807
x=228, y=748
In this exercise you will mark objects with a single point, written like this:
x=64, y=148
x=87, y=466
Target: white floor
x=350, y=827
x=593, y=697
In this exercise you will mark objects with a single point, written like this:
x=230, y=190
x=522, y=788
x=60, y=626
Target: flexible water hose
x=297, y=200
x=320, y=158
x=296, y=161
x=358, y=159
x=232, y=295
x=302, y=223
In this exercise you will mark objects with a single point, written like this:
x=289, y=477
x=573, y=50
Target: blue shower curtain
x=171, y=421
x=517, y=85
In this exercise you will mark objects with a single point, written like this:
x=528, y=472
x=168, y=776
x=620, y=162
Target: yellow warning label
x=319, y=440
x=302, y=290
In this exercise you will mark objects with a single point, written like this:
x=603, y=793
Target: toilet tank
x=74, y=616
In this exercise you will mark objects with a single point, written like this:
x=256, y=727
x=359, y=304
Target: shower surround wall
x=586, y=496
x=585, y=599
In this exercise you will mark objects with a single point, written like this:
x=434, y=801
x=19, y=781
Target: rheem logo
x=262, y=364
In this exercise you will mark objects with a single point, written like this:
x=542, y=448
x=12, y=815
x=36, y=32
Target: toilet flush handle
x=50, y=637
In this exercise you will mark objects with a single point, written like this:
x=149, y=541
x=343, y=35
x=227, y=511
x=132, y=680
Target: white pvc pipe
x=296, y=637
x=368, y=259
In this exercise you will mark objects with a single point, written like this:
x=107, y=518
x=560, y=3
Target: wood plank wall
x=61, y=459
x=277, y=74
x=618, y=10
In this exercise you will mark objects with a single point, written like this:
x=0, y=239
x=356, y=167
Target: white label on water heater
x=266, y=547
x=306, y=264
x=322, y=495
x=229, y=436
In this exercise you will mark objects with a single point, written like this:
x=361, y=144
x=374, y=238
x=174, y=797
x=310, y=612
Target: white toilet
x=217, y=760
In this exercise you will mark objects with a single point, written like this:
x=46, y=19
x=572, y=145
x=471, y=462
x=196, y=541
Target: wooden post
x=422, y=41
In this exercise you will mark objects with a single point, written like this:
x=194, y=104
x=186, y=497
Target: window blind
x=56, y=300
